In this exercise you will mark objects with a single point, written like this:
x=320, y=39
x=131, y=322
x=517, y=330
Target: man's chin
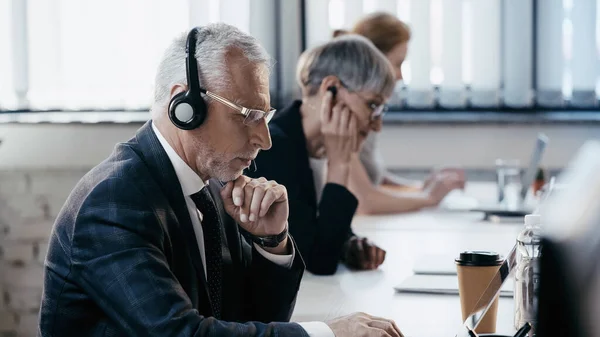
x=229, y=176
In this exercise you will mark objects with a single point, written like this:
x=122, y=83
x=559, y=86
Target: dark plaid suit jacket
x=123, y=260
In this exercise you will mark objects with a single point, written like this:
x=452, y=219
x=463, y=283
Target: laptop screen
x=534, y=164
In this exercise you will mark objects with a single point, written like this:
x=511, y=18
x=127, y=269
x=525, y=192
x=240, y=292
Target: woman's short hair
x=353, y=59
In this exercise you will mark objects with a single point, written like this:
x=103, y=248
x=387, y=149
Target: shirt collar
x=188, y=179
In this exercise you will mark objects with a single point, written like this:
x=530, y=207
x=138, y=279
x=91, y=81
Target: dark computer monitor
x=569, y=284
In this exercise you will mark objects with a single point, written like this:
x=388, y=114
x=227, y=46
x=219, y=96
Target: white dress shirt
x=191, y=183
x=319, y=168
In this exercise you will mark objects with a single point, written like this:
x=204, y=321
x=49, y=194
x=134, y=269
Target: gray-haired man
x=152, y=243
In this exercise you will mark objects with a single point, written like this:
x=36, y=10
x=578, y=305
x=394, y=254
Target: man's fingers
x=257, y=197
x=386, y=328
x=387, y=325
x=248, y=194
x=238, y=191
x=272, y=195
x=397, y=329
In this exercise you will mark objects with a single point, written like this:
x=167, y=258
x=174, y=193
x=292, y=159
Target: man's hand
x=258, y=205
x=361, y=324
x=442, y=182
x=362, y=254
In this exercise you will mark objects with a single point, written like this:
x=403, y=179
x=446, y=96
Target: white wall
x=50, y=146
x=477, y=146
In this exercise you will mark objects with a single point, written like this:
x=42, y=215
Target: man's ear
x=176, y=89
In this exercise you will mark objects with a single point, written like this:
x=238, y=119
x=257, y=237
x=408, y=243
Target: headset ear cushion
x=186, y=111
x=181, y=111
x=200, y=109
x=175, y=111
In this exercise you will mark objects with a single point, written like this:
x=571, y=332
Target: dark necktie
x=212, y=246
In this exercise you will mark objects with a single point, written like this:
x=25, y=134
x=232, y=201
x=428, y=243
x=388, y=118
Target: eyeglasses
x=377, y=110
x=253, y=116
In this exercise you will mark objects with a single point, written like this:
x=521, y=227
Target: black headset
x=187, y=110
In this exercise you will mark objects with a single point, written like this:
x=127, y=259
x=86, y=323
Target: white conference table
x=405, y=237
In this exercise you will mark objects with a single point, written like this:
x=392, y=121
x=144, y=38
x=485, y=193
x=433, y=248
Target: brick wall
x=29, y=203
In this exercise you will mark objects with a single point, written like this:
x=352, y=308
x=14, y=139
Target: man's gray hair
x=212, y=45
x=358, y=64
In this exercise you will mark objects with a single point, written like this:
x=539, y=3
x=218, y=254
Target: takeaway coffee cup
x=475, y=271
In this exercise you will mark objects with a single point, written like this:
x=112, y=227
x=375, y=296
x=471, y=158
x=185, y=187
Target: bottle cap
x=533, y=219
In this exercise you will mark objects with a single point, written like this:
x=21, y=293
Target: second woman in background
x=391, y=36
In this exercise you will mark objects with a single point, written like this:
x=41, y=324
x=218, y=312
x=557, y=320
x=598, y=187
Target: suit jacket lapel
x=160, y=166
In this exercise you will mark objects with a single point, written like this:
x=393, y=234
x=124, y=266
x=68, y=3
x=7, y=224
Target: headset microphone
x=253, y=166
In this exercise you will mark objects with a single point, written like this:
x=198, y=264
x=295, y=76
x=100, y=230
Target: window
x=569, y=52
x=7, y=93
x=518, y=54
x=464, y=54
x=100, y=55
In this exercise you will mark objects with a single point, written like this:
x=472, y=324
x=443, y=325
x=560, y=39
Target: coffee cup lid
x=479, y=258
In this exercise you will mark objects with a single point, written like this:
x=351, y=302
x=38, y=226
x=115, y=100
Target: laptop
x=506, y=208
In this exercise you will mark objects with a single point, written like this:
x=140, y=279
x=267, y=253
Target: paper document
x=441, y=284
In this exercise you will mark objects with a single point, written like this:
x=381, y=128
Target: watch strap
x=269, y=241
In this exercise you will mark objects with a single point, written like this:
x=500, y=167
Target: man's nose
x=261, y=138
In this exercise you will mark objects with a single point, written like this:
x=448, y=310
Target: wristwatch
x=269, y=241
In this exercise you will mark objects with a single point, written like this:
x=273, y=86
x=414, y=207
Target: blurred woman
x=315, y=140
x=391, y=36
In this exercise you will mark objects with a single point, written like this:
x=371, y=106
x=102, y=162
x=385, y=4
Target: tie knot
x=202, y=198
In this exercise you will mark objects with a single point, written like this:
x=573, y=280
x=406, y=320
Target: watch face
x=266, y=241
